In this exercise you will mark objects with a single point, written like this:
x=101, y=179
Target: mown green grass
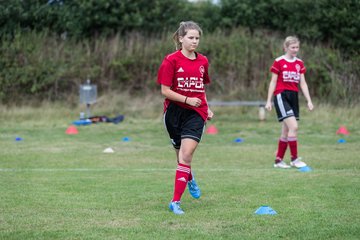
x=58, y=186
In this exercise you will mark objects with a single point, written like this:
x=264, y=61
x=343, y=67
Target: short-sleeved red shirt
x=186, y=77
x=288, y=72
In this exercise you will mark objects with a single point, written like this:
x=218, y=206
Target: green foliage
x=23, y=68
x=240, y=63
x=329, y=21
x=87, y=18
x=49, y=48
x=329, y=75
x=44, y=66
x=332, y=22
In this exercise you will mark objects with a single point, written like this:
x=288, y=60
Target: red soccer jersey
x=288, y=73
x=186, y=77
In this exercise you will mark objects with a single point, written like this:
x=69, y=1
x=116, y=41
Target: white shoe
x=281, y=164
x=298, y=163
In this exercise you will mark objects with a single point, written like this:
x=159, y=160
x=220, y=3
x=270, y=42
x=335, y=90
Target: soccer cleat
x=194, y=189
x=298, y=163
x=281, y=164
x=175, y=208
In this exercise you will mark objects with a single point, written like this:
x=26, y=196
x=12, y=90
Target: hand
x=195, y=102
x=310, y=106
x=268, y=106
x=210, y=114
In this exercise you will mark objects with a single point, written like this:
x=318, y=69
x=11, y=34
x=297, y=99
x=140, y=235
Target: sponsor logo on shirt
x=202, y=70
x=192, y=82
x=291, y=76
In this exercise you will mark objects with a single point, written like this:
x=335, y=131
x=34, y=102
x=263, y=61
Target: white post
x=262, y=113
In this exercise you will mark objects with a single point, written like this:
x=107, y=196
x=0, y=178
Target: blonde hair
x=290, y=40
x=182, y=31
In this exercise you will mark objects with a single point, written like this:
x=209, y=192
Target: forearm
x=171, y=95
x=305, y=90
x=306, y=93
x=272, y=87
x=270, y=92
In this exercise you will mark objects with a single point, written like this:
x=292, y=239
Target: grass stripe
x=159, y=170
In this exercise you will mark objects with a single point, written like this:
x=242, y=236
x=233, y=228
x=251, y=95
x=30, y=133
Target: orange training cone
x=342, y=130
x=212, y=130
x=71, y=130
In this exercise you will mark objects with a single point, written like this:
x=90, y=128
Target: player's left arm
x=207, y=82
x=305, y=90
x=210, y=113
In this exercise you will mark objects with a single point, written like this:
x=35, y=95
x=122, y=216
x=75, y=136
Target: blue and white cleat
x=194, y=189
x=175, y=208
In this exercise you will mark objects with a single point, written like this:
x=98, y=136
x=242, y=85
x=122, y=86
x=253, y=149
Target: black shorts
x=183, y=123
x=287, y=105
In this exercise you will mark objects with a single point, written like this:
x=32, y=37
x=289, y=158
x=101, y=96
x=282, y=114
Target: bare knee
x=186, y=158
x=293, y=130
x=291, y=125
x=284, y=133
x=187, y=149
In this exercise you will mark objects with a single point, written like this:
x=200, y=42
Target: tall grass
x=46, y=67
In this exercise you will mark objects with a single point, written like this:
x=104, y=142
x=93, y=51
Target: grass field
x=59, y=186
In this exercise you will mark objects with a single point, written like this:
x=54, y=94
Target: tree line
x=332, y=22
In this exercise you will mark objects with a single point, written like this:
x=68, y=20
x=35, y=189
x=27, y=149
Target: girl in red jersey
x=183, y=75
x=287, y=73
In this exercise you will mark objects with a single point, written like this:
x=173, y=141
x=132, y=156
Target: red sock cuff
x=183, y=168
x=184, y=165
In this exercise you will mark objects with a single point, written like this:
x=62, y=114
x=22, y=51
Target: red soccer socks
x=181, y=178
x=293, y=147
x=282, y=146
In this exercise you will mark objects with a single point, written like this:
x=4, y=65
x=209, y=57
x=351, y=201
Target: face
x=191, y=40
x=292, y=49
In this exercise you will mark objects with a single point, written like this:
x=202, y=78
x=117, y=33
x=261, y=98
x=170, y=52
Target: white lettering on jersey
x=291, y=76
x=192, y=82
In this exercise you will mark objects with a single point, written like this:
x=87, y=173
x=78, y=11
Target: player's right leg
x=193, y=187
